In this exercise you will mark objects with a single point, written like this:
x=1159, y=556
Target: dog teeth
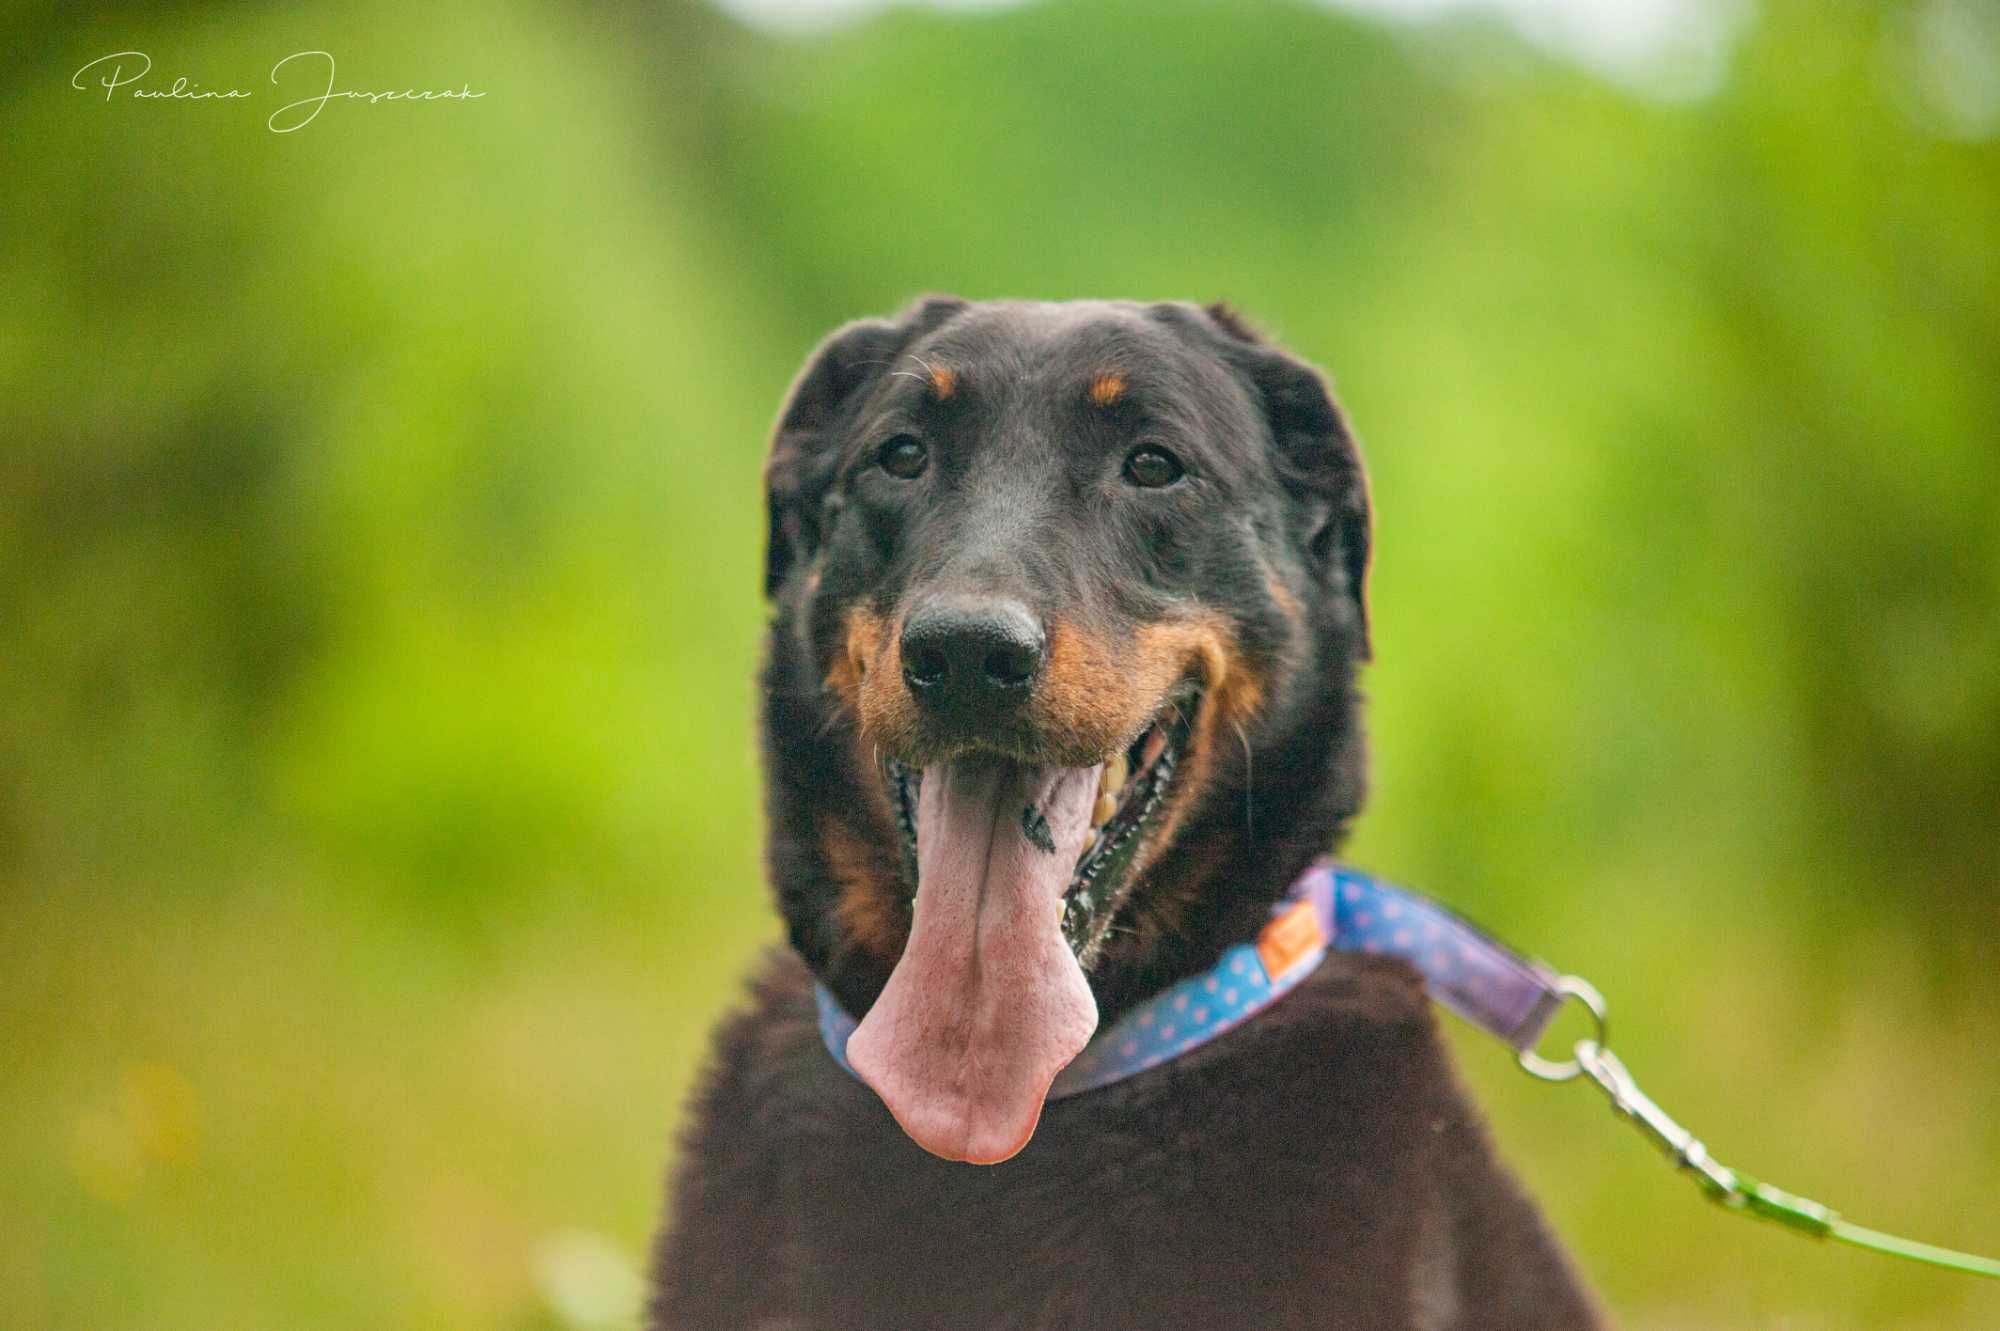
x=1106, y=806
x=1156, y=744
x=1112, y=779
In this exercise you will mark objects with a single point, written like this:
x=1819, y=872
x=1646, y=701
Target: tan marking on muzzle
x=848, y=675
x=872, y=672
x=1094, y=689
x=1093, y=698
x=1099, y=699
x=1207, y=649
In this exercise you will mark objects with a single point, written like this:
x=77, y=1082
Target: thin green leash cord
x=1731, y=1189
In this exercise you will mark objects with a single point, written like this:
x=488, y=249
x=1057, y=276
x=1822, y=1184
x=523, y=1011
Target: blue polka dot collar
x=1329, y=907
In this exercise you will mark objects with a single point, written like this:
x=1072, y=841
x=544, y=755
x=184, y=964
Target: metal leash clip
x=1727, y=1187
x=1608, y=1071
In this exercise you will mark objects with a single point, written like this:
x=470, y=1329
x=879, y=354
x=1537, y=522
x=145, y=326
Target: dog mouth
x=1015, y=869
x=1133, y=787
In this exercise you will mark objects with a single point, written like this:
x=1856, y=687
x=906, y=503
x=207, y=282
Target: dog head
x=1068, y=601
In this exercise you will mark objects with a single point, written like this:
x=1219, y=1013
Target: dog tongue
x=987, y=1004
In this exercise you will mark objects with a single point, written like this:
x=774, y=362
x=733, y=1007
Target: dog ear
x=836, y=377
x=1317, y=458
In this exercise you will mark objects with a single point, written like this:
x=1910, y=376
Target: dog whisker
x=1249, y=813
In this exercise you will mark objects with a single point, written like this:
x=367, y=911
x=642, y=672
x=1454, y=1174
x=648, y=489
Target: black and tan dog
x=1060, y=698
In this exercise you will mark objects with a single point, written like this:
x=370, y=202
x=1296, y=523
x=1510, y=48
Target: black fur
x=1318, y=1167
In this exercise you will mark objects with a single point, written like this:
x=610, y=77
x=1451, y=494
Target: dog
x=1068, y=604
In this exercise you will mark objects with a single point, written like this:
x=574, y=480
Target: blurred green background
x=379, y=541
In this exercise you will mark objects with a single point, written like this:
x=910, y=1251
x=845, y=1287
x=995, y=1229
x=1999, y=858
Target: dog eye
x=1151, y=467
x=902, y=456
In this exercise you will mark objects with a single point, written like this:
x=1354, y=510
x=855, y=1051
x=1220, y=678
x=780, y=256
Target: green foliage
x=379, y=543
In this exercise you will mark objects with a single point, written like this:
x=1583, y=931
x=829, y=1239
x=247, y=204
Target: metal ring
x=1567, y=987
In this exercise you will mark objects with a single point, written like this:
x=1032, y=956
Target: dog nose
x=972, y=659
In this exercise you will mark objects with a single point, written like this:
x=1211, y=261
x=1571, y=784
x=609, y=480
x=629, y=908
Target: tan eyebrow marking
x=943, y=381
x=1107, y=388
